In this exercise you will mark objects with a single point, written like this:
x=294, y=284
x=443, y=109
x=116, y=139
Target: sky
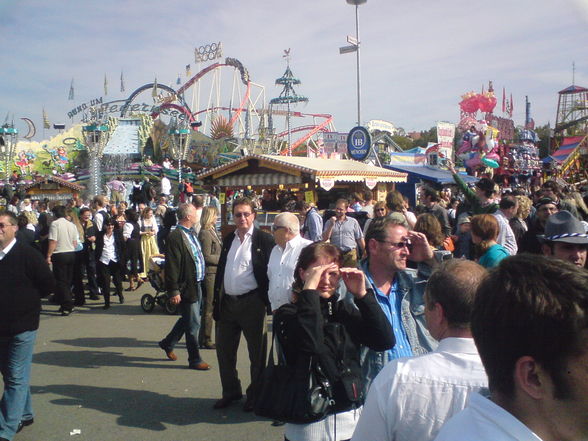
x=417, y=57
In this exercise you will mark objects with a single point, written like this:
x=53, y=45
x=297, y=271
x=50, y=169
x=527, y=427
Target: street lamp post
x=8, y=140
x=96, y=136
x=354, y=47
x=180, y=137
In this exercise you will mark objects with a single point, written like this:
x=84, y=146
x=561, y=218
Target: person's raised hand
x=354, y=280
x=312, y=276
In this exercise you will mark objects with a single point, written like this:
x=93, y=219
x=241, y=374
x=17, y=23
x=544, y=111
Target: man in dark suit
x=25, y=277
x=241, y=302
x=184, y=272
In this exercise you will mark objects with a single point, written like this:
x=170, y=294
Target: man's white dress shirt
x=411, y=398
x=483, y=420
x=280, y=270
x=506, y=237
x=239, y=278
x=7, y=249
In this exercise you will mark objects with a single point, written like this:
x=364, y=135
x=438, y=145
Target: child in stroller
x=156, y=276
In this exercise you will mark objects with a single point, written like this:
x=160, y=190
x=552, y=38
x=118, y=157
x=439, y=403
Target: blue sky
x=418, y=56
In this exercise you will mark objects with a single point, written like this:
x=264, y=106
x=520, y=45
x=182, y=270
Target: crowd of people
x=472, y=304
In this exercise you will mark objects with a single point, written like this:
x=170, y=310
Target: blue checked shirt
x=196, y=252
x=391, y=305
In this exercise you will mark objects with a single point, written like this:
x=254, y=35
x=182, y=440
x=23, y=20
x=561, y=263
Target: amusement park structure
x=570, y=157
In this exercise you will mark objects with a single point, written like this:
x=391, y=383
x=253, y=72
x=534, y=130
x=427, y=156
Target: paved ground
x=102, y=373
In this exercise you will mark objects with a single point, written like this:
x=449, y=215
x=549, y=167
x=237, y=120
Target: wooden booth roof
x=44, y=179
x=273, y=170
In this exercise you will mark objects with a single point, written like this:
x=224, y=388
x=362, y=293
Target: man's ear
x=531, y=378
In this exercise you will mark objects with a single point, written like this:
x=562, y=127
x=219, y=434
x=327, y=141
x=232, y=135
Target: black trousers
x=63, y=268
x=107, y=272
x=89, y=263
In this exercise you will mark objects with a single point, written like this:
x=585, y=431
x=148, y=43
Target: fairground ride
x=224, y=89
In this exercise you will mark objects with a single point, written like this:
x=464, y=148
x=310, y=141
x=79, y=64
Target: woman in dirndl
x=149, y=229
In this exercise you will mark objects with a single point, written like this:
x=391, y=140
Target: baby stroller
x=156, y=278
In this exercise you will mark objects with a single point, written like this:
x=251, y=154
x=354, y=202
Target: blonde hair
x=524, y=207
x=208, y=217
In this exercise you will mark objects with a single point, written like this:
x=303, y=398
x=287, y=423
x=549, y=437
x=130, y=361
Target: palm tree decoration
x=221, y=128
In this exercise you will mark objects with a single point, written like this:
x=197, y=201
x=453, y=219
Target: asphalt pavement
x=100, y=375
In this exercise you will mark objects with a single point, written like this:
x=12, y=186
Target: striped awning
x=237, y=180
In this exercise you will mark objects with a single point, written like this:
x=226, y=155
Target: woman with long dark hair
x=316, y=325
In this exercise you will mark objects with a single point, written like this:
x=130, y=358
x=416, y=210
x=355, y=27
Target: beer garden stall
x=53, y=189
x=317, y=180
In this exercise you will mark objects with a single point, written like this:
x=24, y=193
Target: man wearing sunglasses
x=25, y=277
x=389, y=245
x=284, y=257
x=241, y=302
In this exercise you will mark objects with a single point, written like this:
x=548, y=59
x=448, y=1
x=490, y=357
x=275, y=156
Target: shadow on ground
x=144, y=409
x=95, y=359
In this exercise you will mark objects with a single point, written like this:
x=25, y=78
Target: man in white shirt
x=530, y=326
x=507, y=209
x=241, y=302
x=165, y=186
x=101, y=214
x=411, y=398
x=63, y=240
x=284, y=257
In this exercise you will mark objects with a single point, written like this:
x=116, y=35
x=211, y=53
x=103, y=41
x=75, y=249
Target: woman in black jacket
x=110, y=260
x=318, y=324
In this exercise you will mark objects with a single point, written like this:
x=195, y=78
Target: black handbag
x=293, y=394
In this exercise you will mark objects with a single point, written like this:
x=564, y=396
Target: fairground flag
x=71, y=91
x=105, y=85
x=46, y=123
x=122, y=82
x=188, y=70
x=503, y=100
x=154, y=92
x=179, y=80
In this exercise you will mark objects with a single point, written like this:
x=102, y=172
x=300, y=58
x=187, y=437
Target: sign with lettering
x=359, y=143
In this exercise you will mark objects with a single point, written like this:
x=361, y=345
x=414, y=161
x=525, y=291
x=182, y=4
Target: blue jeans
x=16, y=355
x=188, y=324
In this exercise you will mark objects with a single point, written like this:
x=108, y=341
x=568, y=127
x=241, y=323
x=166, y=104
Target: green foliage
x=427, y=136
x=404, y=142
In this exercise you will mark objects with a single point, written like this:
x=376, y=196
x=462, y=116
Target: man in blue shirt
x=389, y=245
x=184, y=272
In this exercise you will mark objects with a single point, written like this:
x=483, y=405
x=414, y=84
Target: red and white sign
x=327, y=183
x=445, y=136
x=371, y=183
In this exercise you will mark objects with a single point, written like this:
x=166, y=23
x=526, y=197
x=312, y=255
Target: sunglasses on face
x=3, y=225
x=240, y=215
x=403, y=244
x=275, y=228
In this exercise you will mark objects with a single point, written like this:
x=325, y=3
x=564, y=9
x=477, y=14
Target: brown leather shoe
x=226, y=401
x=200, y=366
x=168, y=352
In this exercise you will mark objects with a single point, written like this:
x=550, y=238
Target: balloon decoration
x=479, y=147
x=472, y=102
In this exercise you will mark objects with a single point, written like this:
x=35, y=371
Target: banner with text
x=445, y=136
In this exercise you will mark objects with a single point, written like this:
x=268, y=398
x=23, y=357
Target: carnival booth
x=53, y=189
x=316, y=180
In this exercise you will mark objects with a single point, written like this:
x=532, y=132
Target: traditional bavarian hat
x=564, y=227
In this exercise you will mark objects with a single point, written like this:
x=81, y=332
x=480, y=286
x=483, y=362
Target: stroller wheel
x=170, y=308
x=147, y=302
